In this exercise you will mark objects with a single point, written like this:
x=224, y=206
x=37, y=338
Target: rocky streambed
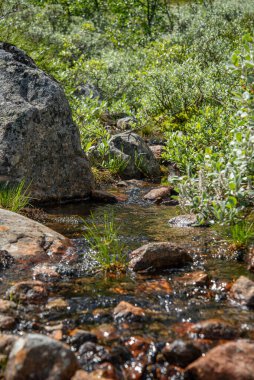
x=188, y=321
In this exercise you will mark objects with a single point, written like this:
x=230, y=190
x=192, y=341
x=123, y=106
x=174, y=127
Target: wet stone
x=28, y=292
x=214, y=329
x=181, y=353
x=230, y=361
x=90, y=355
x=125, y=310
x=198, y=278
x=7, y=306
x=154, y=257
x=7, y=322
x=155, y=286
x=242, y=291
x=103, y=197
x=45, y=272
x=78, y=337
x=6, y=260
x=105, y=332
x=36, y=356
x=56, y=304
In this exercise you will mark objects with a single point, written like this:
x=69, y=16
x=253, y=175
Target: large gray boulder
x=138, y=157
x=38, y=140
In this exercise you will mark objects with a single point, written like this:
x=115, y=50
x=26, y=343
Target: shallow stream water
x=169, y=304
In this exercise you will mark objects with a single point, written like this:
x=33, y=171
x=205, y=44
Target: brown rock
x=105, y=332
x=155, y=286
x=198, y=278
x=181, y=353
x=158, y=256
x=242, y=291
x=159, y=193
x=230, y=361
x=28, y=292
x=77, y=337
x=36, y=356
x=6, y=306
x=214, y=329
x=103, y=197
x=127, y=310
x=25, y=237
x=57, y=304
x=6, y=322
x=138, y=345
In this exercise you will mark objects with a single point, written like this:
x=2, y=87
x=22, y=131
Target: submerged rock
x=230, y=361
x=181, y=353
x=126, y=310
x=36, y=356
x=103, y=197
x=136, y=154
x=28, y=292
x=188, y=220
x=242, y=291
x=214, y=329
x=198, y=278
x=158, y=256
x=38, y=140
x=22, y=237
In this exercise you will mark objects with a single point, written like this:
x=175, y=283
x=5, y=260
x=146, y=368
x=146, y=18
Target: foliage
x=104, y=241
x=223, y=189
x=14, y=198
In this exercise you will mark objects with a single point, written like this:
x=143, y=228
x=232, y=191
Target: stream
x=170, y=304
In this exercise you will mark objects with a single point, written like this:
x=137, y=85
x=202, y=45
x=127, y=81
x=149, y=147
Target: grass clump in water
x=241, y=235
x=14, y=198
x=109, y=251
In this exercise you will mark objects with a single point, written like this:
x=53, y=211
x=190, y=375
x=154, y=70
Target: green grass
x=104, y=241
x=14, y=198
x=241, y=234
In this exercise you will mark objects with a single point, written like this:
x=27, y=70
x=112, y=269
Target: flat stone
x=36, y=356
x=28, y=292
x=57, y=304
x=242, y=291
x=188, y=220
x=158, y=193
x=230, y=361
x=198, y=278
x=25, y=237
x=103, y=197
x=158, y=256
x=126, y=310
x=214, y=329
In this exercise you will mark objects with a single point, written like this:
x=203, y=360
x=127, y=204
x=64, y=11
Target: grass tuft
x=104, y=241
x=14, y=198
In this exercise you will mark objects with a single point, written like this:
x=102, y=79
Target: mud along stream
x=177, y=314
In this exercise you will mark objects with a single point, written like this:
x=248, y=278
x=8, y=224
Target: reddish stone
x=230, y=361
